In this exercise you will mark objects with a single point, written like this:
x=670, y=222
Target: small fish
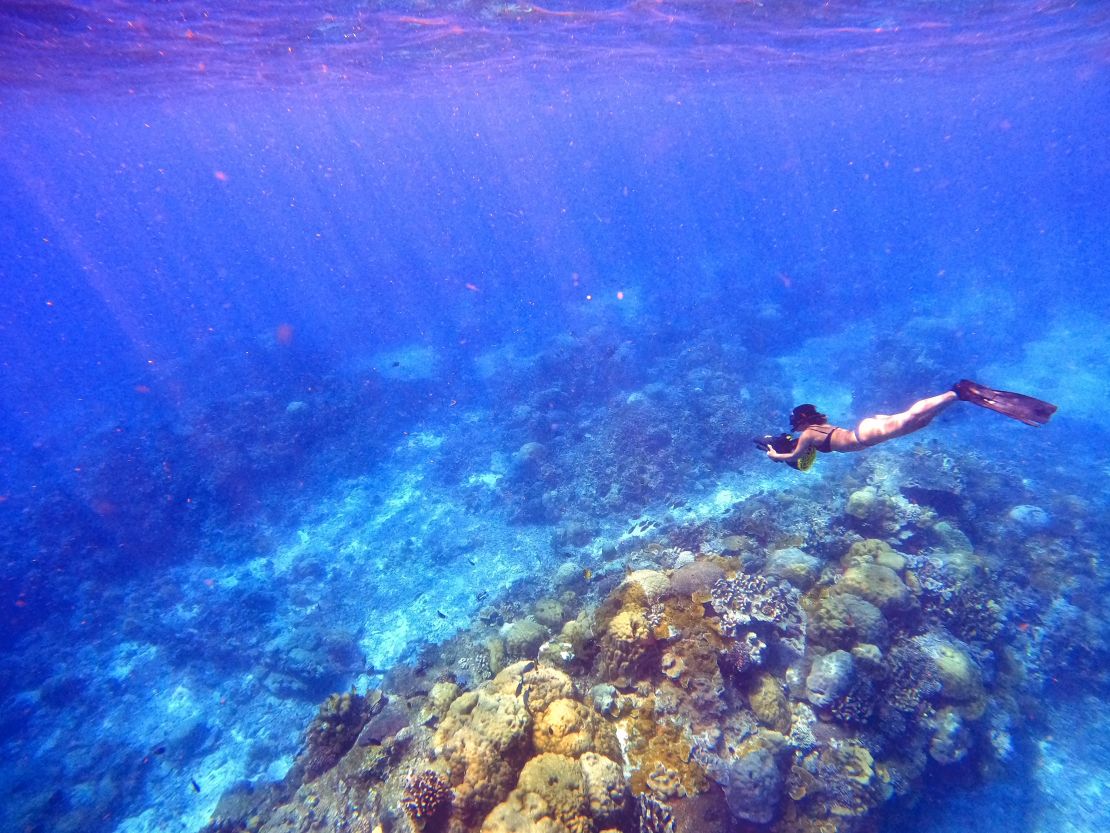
x=158, y=750
x=441, y=614
x=473, y=561
x=482, y=594
x=396, y=364
x=587, y=574
x=196, y=786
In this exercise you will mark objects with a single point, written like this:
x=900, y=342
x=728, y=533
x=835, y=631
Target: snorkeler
x=815, y=434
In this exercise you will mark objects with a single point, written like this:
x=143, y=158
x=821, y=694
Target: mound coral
x=624, y=646
x=878, y=584
x=842, y=619
x=752, y=784
x=569, y=727
x=483, y=740
x=740, y=702
x=557, y=794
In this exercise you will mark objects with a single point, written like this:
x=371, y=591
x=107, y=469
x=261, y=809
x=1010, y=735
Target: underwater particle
x=830, y=678
x=426, y=797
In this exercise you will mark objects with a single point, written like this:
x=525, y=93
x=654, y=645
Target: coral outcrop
x=703, y=698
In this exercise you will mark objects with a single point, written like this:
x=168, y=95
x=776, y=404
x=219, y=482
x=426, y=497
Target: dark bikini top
x=825, y=445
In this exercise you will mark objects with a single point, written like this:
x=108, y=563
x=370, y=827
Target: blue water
x=289, y=290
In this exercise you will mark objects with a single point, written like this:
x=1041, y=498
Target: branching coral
x=426, y=798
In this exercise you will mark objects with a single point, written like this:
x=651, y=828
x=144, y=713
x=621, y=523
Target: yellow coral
x=550, y=796
x=606, y=791
x=625, y=643
x=568, y=727
x=959, y=676
x=867, y=551
x=653, y=583
x=537, y=685
x=549, y=612
x=482, y=742
x=662, y=753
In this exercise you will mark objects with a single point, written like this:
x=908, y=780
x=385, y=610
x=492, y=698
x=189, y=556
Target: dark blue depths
x=297, y=390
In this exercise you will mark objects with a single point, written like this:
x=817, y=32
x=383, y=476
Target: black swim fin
x=1028, y=409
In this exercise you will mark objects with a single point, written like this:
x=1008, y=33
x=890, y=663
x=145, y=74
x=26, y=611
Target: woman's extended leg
x=880, y=428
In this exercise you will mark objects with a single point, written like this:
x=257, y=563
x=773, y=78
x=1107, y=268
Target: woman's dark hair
x=805, y=415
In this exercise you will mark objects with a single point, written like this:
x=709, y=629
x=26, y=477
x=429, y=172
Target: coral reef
x=724, y=689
